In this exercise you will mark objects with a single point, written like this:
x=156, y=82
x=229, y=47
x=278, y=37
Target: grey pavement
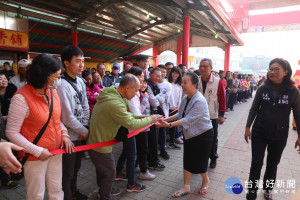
x=234, y=161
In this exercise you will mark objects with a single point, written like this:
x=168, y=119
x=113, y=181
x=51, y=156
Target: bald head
x=129, y=80
x=129, y=86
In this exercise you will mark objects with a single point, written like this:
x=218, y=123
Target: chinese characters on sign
x=14, y=39
x=280, y=186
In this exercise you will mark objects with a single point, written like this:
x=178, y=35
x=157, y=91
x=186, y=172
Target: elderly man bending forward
x=109, y=114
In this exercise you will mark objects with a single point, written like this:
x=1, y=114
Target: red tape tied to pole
x=102, y=144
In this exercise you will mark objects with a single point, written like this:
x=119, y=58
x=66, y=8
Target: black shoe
x=115, y=191
x=251, y=195
x=213, y=164
x=164, y=155
x=174, y=146
x=79, y=196
x=231, y=109
x=136, y=188
x=158, y=167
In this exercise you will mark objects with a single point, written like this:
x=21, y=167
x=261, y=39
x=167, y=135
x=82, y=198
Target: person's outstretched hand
x=162, y=123
x=155, y=118
x=8, y=161
x=247, y=134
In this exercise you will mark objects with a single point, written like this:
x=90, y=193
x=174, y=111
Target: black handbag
x=122, y=134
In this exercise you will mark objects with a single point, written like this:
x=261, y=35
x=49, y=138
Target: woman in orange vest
x=244, y=88
x=34, y=106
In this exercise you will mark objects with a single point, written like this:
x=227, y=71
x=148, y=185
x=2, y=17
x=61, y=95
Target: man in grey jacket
x=74, y=115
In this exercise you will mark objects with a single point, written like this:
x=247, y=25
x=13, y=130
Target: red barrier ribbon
x=102, y=144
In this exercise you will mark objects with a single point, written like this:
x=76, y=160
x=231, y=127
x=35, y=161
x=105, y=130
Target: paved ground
x=234, y=161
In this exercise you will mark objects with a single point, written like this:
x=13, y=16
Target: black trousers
x=3, y=177
x=71, y=164
x=214, y=147
x=142, y=150
x=227, y=98
x=274, y=149
x=152, y=144
x=232, y=97
x=173, y=130
x=245, y=95
x=239, y=96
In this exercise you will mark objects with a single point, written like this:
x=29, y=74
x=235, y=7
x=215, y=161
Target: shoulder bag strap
x=38, y=137
x=75, y=88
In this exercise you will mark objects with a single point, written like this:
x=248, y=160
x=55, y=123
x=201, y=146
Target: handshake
x=159, y=121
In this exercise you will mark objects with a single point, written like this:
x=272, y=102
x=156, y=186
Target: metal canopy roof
x=147, y=22
x=46, y=38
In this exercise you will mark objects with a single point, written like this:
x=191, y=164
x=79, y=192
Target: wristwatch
x=170, y=124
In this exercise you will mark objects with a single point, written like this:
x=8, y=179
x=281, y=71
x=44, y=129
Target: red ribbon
x=102, y=144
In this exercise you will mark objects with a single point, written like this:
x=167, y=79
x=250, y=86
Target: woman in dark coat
x=271, y=110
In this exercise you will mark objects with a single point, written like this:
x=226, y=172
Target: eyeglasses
x=275, y=70
x=55, y=78
x=204, y=66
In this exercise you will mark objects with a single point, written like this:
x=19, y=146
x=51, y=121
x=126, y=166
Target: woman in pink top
x=92, y=90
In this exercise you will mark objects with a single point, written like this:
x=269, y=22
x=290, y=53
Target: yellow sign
x=14, y=40
x=191, y=58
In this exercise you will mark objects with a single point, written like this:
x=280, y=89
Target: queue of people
x=44, y=109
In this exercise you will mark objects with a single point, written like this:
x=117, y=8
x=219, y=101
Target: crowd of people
x=53, y=104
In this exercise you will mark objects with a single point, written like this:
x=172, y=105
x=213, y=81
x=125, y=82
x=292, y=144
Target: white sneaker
x=147, y=176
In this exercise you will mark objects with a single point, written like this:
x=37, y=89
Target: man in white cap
x=20, y=80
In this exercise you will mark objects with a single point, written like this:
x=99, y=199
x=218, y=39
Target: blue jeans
x=129, y=153
x=162, y=138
